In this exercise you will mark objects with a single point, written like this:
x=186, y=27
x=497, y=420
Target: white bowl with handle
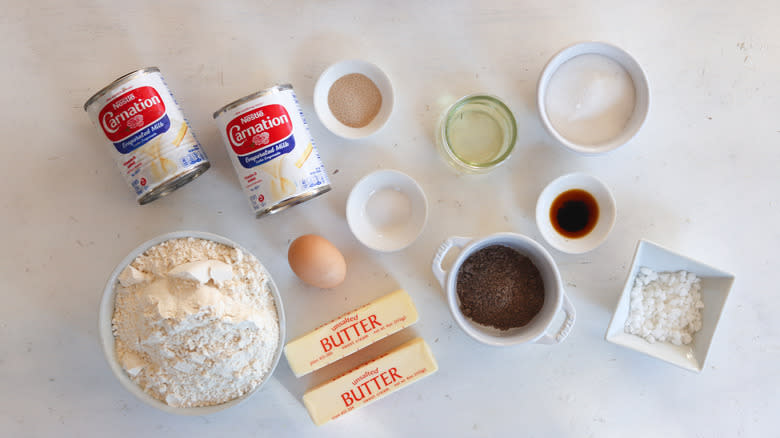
x=540, y=329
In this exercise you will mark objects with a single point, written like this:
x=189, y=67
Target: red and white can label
x=261, y=135
x=134, y=118
x=153, y=143
x=272, y=151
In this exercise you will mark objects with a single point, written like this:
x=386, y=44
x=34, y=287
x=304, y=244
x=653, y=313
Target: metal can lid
x=175, y=183
x=118, y=81
x=275, y=89
x=293, y=200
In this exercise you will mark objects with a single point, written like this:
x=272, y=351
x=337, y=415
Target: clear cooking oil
x=478, y=133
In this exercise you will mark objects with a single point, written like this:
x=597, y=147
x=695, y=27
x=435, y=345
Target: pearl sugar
x=665, y=306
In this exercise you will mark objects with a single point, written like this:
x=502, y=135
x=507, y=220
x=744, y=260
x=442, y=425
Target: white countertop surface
x=700, y=178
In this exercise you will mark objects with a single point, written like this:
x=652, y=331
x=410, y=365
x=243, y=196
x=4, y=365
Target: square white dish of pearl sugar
x=654, y=262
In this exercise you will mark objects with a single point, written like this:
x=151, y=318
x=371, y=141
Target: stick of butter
x=371, y=381
x=350, y=332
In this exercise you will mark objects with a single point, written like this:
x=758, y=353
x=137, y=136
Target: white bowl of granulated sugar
x=593, y=97
x=670, y=306
x=191, y=323
x=353, y=98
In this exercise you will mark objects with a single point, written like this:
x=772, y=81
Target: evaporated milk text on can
x=153, y=144
x=269, y=143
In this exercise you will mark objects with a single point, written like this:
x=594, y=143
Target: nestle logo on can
x=259, y=128
x=130, y=112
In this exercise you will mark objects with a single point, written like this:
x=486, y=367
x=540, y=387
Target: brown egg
x=316, y=261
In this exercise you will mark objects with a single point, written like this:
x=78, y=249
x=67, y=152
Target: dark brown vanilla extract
x=574, y=213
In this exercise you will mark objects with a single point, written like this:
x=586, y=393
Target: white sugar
x=590, y=99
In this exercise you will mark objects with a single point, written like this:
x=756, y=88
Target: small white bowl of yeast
x=353, y=98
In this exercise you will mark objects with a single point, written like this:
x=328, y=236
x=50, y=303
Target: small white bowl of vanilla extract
x=575, y=213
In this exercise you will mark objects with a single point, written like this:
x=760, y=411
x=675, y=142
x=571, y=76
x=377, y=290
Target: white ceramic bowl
x=606, y=219
x=632, y=67
x=555, y=299
x=715, y=288
x=387, y=210
x=107, y=336
x=335, y=72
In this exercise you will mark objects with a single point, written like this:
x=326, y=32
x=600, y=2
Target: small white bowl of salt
x=593, y=97
x=387, y=210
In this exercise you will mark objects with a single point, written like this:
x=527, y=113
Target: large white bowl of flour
x=191, y=323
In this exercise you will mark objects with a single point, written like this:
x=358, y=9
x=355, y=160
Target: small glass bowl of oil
x=478, y=133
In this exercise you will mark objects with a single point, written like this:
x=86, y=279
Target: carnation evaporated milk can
x=153, y=144
x=273, y=153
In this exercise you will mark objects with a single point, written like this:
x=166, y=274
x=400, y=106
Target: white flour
x=195, y=323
